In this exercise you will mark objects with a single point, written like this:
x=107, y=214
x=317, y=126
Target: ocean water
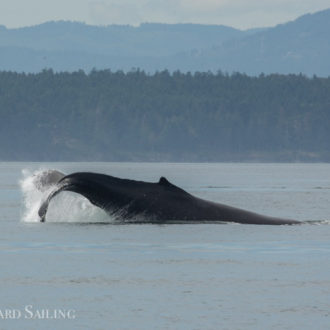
x=69, y=273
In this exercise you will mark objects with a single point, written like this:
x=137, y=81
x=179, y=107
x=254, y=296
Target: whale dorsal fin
x=170, y=186
x=164, y=182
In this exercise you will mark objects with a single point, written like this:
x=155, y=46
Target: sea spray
x=32, y=197
x=65, y=207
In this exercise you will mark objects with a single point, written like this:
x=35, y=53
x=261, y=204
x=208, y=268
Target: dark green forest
x=134, y=116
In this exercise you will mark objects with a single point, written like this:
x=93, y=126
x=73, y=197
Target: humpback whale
x=145, y=202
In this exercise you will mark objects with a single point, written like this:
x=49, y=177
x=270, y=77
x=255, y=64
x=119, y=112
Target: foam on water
x=65, y=207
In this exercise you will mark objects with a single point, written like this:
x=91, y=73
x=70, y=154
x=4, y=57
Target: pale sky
x=240, y=14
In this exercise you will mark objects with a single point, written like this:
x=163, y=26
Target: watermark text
x=29, y=312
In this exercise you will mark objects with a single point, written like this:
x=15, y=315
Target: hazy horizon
x=236, y=13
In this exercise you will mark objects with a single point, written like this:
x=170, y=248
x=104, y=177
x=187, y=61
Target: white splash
x=65, y=207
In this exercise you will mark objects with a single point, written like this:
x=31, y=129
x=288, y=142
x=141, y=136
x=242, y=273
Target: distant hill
x=72, y=46
x=300, y=46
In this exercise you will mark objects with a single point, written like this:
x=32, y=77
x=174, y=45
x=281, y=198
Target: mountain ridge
x=298, y=46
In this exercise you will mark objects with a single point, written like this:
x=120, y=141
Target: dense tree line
x=106, y=115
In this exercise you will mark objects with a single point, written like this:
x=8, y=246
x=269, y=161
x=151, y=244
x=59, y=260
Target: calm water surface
x=172, y=276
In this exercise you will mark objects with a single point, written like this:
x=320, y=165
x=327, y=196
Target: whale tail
x=45, y=179
x=44, y=206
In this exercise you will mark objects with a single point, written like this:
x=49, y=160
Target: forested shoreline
x=134, y=116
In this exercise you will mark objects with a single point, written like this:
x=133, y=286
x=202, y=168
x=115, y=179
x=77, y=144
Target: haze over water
x=171, y=276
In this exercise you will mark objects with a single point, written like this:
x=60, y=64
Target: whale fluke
x=45, y=179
